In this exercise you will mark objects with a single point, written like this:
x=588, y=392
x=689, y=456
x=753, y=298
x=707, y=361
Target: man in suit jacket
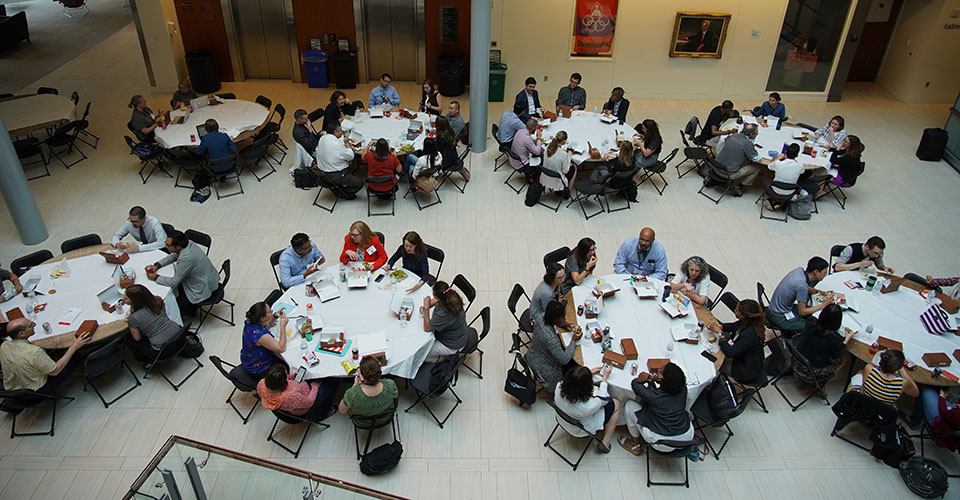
x=195, y=278
x=702, y=41
x=617, y=105
x=529, y=98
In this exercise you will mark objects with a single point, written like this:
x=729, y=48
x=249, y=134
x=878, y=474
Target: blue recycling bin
x=316, y=64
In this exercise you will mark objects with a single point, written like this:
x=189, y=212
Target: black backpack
x=723, y=398
x=925, y=477
x=201, y=179
x=381, y=459
x=892, y=444
x=304, y=179
x=193, y=348
x=534, y=191
x=520, y=384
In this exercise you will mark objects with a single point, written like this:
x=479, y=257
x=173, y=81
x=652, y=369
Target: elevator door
x=391, y=31
x=262, y=38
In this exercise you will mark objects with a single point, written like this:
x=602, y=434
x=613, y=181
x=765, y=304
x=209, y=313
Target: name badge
x=371, y=250
x=789, y=315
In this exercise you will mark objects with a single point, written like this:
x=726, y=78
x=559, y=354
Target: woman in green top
x=369, y=396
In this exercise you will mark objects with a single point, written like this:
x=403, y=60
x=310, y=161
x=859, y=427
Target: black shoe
x=349, y=196
x=737, y=191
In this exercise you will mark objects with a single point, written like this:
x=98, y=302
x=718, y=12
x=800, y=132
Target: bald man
x=643, y=255
x=26, y=366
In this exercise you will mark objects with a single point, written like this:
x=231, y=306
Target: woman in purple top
x=259, y=345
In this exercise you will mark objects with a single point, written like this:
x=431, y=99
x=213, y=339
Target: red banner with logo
x=593, y=27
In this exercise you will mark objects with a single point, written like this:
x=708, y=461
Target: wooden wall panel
x=201, y=27
x=314, y=18
x=434, y=46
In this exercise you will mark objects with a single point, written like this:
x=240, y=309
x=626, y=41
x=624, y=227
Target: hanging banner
x=593, y=28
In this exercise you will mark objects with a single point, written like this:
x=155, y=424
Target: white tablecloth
x=87, y=277
x=894, y=315
x=770, y=139
x=234, y=117
x=644, y=321
x=359, y=311
x=34, y=110
x=583, y=127
x=392, y=128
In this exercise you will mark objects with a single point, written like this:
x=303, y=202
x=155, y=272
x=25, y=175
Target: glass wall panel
x=809, y=41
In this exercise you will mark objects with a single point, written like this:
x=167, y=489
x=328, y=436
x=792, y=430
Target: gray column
x=479, y=73
x=17, y=195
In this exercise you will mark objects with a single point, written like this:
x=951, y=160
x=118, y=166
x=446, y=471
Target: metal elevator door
x=391, y=32
x=262, y=38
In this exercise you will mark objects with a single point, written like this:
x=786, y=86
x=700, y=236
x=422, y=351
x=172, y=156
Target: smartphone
x=300, y=373
x=378, y=279
x=709, y=356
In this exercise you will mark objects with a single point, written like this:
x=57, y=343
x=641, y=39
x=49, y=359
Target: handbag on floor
x=925, y=477
x=381, y=459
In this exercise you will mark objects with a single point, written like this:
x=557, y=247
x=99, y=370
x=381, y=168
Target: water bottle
x=595, y=111
x=670, y=347
x=779, y=123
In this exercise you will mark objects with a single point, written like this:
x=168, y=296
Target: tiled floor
x=491, y=448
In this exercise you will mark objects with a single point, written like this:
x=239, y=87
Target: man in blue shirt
x=299, y=260
x=788, y=304
x=215, y=142
x=510, y=123
x=644, y=256
x=384, y=93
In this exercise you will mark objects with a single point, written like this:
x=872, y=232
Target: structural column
x=479, y=73
x=17, y=195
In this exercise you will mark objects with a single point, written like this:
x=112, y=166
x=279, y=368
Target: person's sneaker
x=737, y=191
x=768, y=206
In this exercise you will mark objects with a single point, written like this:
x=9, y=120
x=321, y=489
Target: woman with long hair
x=447, y=146
x=336, y=110
x=648, y=144
x=259, y=345
x=833, y=133
x=662, y=412
x=381, y=162
x=546, y=291
x=413, y=251
x=313, y=399
x=557, y=159
x=742, y=343
x=595, y=412
x=580, y=263
x=822, y=344
x=431, y=102
x=547, y=357
x=150, y=328
x=622, y=162
x=693, y=280
x=362, y=245
x=448, y=322
x=429, y=158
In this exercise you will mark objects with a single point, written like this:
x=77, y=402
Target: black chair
x=585, y=189
x=48, y=90
x=167, y=228
x=148, y=155
x=223, y=169
x=837, y=191
x=372, y=423
x=717, y=278
x=315, y=115
x=681, y=449
x=764, y=302
x=429, y=385
x=502, y=147
x=524, y=322
x=216, y=298
x=186, y=162
x=263, y=101
x=920, y=280
x=273, y=297
x=169, y=352
x=776, y=365
x=558, y=255
x=23, y=264
x=324, y=183
x=435, y=254
x=415, y=188
x=242, y=381
x=719, y=176
x=703, y=417
x=456, y=168
x=99, y=362
x=856, y=407
x=657, y=169
x=274, y=128
x=526, y=170
x=253, y=154
x=835, y=252
x=289, y=418
x=82, y=125
x=29, y=147
x=558, y=194
x=770, y=194
x=624, y=182
x=14, y=402
x=75, y=97
x=202, y=239
x=64, y=138
x=275, y=265
x=697, y=154
x=473, y=339
x=804, y=372
x=383, y=239
x=84, y=241
x=578, y=432
x=227, y=95
x=386, y=190
x=466, y=288
x=808, y=127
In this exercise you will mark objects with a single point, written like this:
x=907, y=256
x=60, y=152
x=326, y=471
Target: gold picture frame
x=699, y=34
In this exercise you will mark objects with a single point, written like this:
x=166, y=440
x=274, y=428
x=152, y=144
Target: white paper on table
x=376, y=112
x=357, y=280
x=645, y=290
x=399, y=302
x=232, y=132
x=31, y=285
x=70, y=316
x=315, y=320
x=749, y=119
x=673, y=308
x=327, y=291
x=680, y=331
x=371, y=343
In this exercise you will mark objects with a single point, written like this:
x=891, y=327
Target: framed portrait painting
x=699, y=34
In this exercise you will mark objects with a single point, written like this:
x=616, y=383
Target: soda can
x=909, y=365
x=356, y=353
x=580, y=310
x=46, y=328
x=874, y=347
x=606, y=331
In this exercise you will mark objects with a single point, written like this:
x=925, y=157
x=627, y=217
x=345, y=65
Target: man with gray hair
x=455, y=118
x=303, y=132
x=738, y=156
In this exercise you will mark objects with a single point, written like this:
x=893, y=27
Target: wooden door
x=201, y=27
x=443, y=36
x=874, y=40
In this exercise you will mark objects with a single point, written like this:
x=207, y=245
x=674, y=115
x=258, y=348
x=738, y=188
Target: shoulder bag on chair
x=520, y=384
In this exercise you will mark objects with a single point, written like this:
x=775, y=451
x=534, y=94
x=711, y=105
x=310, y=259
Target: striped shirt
x=877, y=387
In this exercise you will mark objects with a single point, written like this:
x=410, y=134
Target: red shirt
x=373, y=253
x=376, y=168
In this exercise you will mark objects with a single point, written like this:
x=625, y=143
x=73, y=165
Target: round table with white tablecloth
x=770, y=140
x=585, y=127
x=358, y=313
x=233, y=115
x=363, y=129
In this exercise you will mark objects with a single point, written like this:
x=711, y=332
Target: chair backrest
x=281, y=111
x=182, y=157
x=835, y=252
x=434, y=253
x=777, y=363
x=558, y=255
x=495, y=129
x=199, y=238
x=385, y=182
x=75, y=97
x=275, y=264
x=20, y=399
x=87, y=240
x=442, y=379
x=241, y=385
x=225, y=270
x=717, y=169
x=273, y=297
x=514, y=298
x=562, y=415
x=64, y=134
x=228, y=95
x=669, y=157
x=225, y=161
x=484, y=317
x=786, y=186
x=683, y=137
x=762, y=298
x=690, y=130
x=167, y=228
x=176, y=344
x=103, y=359
x=315, y=115
x=802, y=360
x=730, y=300
x=371, y=422
x=263, y=101
x=23, y=264
x=86, y=112
x=717, y=277
x=48, y=90
x=287, y=417
x=678, y=446
x=383, y=239
x=466, y=288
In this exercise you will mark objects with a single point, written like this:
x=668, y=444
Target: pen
x=294, y=302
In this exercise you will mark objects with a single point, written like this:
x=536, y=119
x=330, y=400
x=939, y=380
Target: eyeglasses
x=355, y=234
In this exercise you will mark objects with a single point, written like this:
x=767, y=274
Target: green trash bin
x=498, y=79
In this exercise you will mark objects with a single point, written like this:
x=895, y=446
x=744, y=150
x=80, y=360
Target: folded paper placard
x=629, y=348
x=565, y=111
x=14, y=313
x=956, y=354
x=88, y=326
x=948, y=303
x=893, y=286
x=113, y=258
x=615, y=359
x=655, y=365
x=550, y=115
x=886, y=343
x=936, y=359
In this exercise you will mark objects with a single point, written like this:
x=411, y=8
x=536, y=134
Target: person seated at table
x=942, y=415
x=145, y=229
x=361, y=245
x=413, y=253
x=595, y=412
x=370, y=395
x=662, y=412
x=617, y=105
x=310, y=399
x=299, y=260
x=786, y=169
x=216, y=143
x=742, y=343
x=788, y=304
x=846, y=159
x=693, y=280
x=557, y=159
x=546, y=291
x=832, y=133
x=954, y=283
x=622, y=161
x=334, y=154
x=12, y=278
x=26, y=366
x=337, y=110
x=510, y=124
x=430, y=157
x=885, y=381
x=771, y=107
x=259, y=346
x=184, y=94
x=455, y=119
x=572, y=95
x=711, y=131
x=642, y=255
x=647, y=145
x=303, y=132
x=381, y=162
x=738, y=156
x=447, y=146
x=143, y=121
x=525, y=146
x=529, y=98
x=431, y=102
x=863, y=255
x=150, y=327
x=580, y=263
x=194, y=279
x=448, y=321
x=822, y=344
x=547, y=357
x=384, y=94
